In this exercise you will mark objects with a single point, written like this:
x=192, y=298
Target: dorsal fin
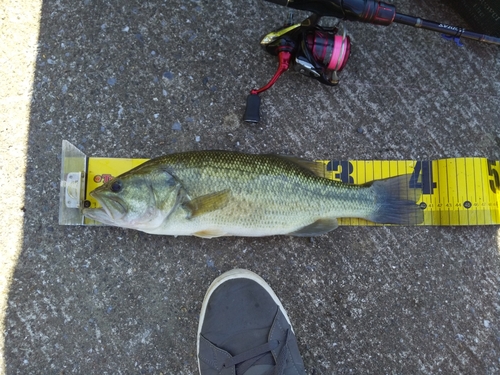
x=318, y=169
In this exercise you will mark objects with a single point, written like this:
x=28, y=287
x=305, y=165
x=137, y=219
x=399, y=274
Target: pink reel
x=329, y=50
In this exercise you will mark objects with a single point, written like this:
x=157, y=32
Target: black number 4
x=426, y=183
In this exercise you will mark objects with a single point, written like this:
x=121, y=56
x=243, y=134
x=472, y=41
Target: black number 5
x=495, y=178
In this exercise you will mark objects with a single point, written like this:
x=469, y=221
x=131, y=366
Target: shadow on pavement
x=141, y=79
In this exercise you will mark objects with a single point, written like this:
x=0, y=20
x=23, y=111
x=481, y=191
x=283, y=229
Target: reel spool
x=327, y=51
x=315, y=51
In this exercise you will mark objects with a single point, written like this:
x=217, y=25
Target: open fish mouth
x=98, y=214
x=110, y=212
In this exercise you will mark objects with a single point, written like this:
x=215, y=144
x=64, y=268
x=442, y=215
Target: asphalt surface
x=141, y=79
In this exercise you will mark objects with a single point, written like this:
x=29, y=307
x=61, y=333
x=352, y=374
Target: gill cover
x=141, y=198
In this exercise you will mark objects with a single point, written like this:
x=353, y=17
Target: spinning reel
x=321, y=52
x=315, y=51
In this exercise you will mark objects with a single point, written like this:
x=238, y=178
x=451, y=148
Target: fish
x=218, y=193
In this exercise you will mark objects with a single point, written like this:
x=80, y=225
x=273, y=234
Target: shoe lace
x=247, y=359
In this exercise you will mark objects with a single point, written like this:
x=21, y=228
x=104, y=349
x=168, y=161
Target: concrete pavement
x=141, y=79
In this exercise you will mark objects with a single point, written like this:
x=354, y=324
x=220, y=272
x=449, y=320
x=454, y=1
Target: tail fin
x=396, y=202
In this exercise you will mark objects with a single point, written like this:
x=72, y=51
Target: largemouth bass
x=221, y=193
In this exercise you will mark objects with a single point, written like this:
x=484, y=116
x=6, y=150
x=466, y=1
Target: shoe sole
x=231, y=275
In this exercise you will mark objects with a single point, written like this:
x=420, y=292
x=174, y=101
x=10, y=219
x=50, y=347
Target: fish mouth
x=110, y=212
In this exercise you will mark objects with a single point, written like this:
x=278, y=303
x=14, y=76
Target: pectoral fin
x=320, y=226
x=207, y=203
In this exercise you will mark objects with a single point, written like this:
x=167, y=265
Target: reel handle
x=252, y=110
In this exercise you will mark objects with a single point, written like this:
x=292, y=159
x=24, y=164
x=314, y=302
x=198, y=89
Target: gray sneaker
x=244, y=329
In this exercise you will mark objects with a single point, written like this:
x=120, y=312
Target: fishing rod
x=322, y=52
x=378, y=13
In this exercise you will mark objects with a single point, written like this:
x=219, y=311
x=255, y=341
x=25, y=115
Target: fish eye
x=116, y=186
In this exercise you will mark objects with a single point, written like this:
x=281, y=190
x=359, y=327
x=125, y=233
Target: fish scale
x=218, y=193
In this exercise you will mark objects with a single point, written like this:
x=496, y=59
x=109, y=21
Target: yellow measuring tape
x=455, y=191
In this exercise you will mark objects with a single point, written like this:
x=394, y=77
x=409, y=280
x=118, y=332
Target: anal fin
x=319, y=227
